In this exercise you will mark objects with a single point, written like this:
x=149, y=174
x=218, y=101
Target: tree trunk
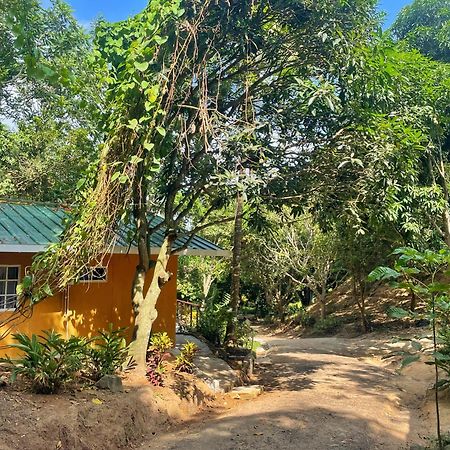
x=323, y=304
x=361, y=302
x=446, y=221
x=207, y=283
x=443, y=183
x=279, y=303
x=413, y=303
x=235, y=269
x=145, y=305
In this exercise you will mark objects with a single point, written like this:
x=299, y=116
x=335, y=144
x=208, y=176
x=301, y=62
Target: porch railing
x=188, y=315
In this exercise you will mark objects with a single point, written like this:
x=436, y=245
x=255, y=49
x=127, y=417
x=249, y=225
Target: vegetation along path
x=320, y=393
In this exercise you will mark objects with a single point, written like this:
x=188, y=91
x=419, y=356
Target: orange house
x=102, y=296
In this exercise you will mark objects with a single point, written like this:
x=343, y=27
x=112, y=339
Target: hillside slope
x=341, y=304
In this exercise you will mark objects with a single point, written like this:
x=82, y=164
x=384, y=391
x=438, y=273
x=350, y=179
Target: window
x=95, y=274
x=9, y=279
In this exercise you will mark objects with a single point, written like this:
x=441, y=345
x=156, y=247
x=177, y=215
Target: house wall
x=86, y=308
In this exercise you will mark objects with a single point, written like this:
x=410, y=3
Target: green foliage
x=185, y=360
x=424, y=273
x=425, y=25
x=289, y=254
x=398, y=313
x=108, y=352
x=50, y=100
x=214, y=319
x=294, y=308
x=45, y=61
x=48, y=361
x=328, y=325
x=160, y=343
x=244, y=334
x=304, y=318
x=43, y=160
x=198, y=274
x=382, y=274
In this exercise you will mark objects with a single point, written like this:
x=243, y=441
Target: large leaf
x=398, y=313
x=383, y=273
x=409, y=359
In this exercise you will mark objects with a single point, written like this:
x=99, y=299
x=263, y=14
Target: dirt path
x=328, y=393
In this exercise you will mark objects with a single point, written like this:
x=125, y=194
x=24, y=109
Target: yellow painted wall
x=89, y=307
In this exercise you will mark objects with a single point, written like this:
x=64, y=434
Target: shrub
x=245, y=335
x=108, y=353
x=49, y=361
x=213, y=320
x=328, y=325
x=304, y=318
x=160, y=343
x=157, y=354
x=293, y=308
x=185, y=360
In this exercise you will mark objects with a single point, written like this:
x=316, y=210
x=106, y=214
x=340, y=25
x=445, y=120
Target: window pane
x=10, y=302
x=94, y=274
x=11, y=287
x=99, y=273
x=2, y=273
x=2, y=302
x=13, y=273
x=84, y=277
x=2, y=287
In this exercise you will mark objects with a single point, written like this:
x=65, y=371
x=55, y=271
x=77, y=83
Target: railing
x=188, y=315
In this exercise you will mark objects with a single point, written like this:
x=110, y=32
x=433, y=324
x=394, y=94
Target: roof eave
x=23, y=248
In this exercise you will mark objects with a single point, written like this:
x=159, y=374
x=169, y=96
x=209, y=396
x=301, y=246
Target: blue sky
x=392, y=8
x=88, y=10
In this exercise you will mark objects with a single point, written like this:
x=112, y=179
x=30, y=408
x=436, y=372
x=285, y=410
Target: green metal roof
x=30, y=227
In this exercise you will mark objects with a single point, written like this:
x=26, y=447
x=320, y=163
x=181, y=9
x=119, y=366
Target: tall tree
x=425, y=25
x=49, y=100
x=179, y=76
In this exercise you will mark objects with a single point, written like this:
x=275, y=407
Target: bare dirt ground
x=86, y=418
x=321, y=393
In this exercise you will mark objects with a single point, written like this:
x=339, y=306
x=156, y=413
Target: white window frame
x=92, y=268
x=3, y=296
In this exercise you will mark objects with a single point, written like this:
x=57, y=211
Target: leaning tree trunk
x=235, y=269
x=145, y=305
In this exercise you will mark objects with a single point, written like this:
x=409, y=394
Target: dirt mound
x=90, y=419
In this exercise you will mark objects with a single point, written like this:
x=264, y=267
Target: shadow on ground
x=313, y=428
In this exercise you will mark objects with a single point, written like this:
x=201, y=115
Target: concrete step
x=264, y=361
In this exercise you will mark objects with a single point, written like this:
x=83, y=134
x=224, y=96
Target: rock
x=247, y=391
x=3, y=381
x=110, y=382
x=417, y=447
